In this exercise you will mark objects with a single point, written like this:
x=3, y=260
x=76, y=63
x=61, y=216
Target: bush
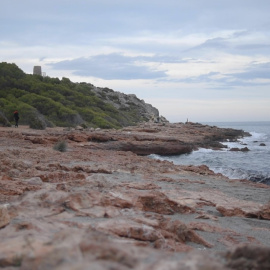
x=4, y=121
x=60, y=146
x=37, y=121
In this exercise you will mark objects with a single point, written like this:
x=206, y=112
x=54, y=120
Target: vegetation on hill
x=44, y=101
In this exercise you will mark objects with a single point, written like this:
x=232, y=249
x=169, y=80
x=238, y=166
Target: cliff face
x=128, y=103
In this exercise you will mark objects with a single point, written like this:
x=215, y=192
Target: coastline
x=245, y=158
x=105, y=203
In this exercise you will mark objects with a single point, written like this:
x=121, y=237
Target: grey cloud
x=110, y=67
x=235, y=44
x=262, y=48
x=217, y=43
x=208, y=78
x=227, y=81
x=255, y=71
x=70, y=22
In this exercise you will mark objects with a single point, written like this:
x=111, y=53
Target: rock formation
x=120, y=100
x=99, y=205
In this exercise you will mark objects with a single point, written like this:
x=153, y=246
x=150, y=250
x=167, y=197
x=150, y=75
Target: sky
x=202, y=60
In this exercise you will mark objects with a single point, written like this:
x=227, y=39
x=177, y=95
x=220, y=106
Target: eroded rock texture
x=99, y=205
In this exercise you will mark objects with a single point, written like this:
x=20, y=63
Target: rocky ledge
x=104, y=204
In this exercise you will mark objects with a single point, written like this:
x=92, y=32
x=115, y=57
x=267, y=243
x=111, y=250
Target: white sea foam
x=253, y=165
x=204, y=150
x=255, y=176
x=232, y=173
x=232, y=145
x=255, y=136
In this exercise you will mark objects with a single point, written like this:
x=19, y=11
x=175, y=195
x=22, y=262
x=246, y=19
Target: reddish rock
x=243, y=209
x=249, y=257
x=102, y=206
x=36, y=140
x=202, y=169
x=265, y=211
x=157, y=202
x=129, y=229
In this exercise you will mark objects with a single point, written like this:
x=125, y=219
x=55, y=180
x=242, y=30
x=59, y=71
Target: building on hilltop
x=37, y=70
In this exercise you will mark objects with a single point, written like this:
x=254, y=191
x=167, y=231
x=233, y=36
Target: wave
x=252, y=143
x=251, y=175
x=204, y=150
x=253, y=165
x=255, y=136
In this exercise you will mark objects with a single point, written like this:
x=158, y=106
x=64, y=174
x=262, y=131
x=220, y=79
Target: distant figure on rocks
x=16, y=118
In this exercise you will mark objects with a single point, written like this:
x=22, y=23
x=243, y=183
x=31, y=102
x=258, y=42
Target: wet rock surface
x=101, y=205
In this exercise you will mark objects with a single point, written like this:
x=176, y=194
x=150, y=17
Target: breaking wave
x=251, y=175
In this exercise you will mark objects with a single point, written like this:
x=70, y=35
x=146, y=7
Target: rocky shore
x=102, y=203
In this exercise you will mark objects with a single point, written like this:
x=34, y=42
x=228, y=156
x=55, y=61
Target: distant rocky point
x=124, y=102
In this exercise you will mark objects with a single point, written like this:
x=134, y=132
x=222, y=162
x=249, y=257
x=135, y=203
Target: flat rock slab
x=110, y=207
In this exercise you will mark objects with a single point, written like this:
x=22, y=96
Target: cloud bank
x=192, y=52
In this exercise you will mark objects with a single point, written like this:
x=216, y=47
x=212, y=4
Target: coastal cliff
x=99, y=202
x=125, y=103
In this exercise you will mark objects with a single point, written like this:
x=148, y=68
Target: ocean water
x=253, y=165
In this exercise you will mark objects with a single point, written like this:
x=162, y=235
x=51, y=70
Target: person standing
x=16, y=118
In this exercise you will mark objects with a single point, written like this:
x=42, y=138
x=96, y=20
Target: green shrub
x=37, y=121
x=60, y=146
x=4, y=121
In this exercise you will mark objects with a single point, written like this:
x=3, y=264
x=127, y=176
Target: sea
x=253, y=165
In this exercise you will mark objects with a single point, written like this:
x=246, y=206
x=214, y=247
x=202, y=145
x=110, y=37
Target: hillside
x=46, y=102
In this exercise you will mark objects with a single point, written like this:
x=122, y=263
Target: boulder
x=235, y=149
x=249, y=257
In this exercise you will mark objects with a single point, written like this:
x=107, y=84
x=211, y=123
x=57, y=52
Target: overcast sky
x=206, y=60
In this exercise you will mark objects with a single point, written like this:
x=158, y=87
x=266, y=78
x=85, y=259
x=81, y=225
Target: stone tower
x=37, y=70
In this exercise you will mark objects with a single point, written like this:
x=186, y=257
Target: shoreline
x=257, y=144
x=101, y=204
